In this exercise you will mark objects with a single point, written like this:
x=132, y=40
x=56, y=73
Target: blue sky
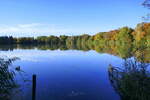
x=69, y=17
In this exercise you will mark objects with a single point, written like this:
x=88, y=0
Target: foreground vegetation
x=7, y=82
x=131, y=81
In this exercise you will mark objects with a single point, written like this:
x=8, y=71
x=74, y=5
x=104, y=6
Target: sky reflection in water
x=67, y=75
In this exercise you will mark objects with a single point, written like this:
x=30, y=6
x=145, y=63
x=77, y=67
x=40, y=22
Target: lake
x=64, y=74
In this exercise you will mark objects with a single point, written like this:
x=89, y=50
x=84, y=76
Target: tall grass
x=132, y=80
x=7, y=82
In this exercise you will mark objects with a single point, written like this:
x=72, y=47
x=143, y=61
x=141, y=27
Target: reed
x=132, y=80
x=7, y=82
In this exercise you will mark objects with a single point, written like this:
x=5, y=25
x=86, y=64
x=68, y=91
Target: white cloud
x=33, y=29
x=29, y=25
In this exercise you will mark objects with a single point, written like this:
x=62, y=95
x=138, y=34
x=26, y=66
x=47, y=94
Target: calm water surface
x=65, y=75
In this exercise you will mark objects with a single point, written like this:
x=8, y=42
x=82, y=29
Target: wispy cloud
x=33, y=29
x=30, y=25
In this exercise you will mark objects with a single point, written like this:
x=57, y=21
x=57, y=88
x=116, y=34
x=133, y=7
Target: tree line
x=139, y=35
x=124, y=42
x=120, y=38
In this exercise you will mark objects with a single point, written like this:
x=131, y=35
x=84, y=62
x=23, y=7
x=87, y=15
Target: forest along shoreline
x=124, y=42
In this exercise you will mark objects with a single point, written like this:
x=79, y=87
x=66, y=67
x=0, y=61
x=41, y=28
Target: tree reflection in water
x=132, y=81
x=7, y=82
